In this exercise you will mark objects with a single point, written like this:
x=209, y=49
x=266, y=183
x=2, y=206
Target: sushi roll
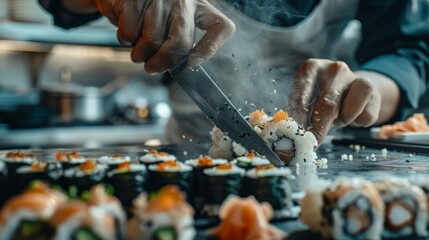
x=250, y=161
x=289, y=140
x=169, y=173
x=292, y=143
x=69, y=159
x=100, y=218
x=3, y=182
x=198, y=167
x=270, y=184
x=26, y=216
x=219, y=182
x=128, y=181
x=112, y=161
x=15, y=160
x=81, y=178
x=406, y=208
x=154, y=157
x=345, y=209
x=43, y=171
x=246, y=218
x=165, y=216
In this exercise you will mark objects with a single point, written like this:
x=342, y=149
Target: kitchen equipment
x=75, y=103
x=219, y=109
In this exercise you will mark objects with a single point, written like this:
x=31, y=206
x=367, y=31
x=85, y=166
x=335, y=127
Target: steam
x=256, y=68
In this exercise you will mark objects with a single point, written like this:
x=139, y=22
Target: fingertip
x=195, y=61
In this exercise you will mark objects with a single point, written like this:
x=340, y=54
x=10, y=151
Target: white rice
x=113, y=160
x=222, y=172
x=182, y=168
x=253, y=173
x=194, y=162
x=152, y=158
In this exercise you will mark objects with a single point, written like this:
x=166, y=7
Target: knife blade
x=219, y=109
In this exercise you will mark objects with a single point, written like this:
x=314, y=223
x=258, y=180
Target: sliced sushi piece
x=167, y=215
x=79, y=179
x=289, y=140
x=250, y=161
x=44, y=171
x=246, y=218
x=198, y=166
x=101, y=217
x=128, y=181
x=170, y=173
x=69, y=159
x=270, y=184
x=112, y=161
x=154, y=157
x=219, y=182
x=26, y=216
x=406, y=208
x=345, y=209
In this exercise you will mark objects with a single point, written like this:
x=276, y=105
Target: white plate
x=404, y=136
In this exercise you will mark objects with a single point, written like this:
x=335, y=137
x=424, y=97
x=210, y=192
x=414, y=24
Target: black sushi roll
x=170, y=173
x=80, y=179
x=198, y=165
x=220, y=182
x=112, y=161
x=155, y=157
x=14, y=160
x=3, y=182
x=250, y=161
x=43, y=171
x=270, y=184
x=69, y=159
x=128, y=181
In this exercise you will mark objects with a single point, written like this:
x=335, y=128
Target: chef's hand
x=162, y=31
x=327, y=92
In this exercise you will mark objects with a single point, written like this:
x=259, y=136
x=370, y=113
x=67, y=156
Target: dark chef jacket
x=395, y=36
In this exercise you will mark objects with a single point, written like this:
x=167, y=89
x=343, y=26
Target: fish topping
x=18, y=155
x=59, y=156
x=280, y=116
x=225, y=166
x=205, y=161
x=88, y=166
x=162, y=166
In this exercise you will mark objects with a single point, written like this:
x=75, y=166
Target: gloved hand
x=326, y=92
x=162, y=31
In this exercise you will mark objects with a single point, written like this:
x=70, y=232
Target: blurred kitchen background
x=72, y=88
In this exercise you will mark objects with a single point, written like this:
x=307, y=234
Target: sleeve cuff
x=402, y=71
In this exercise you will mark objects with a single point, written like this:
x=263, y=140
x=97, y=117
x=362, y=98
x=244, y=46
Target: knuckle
x=365, y=85
x=366, y=119
x=339, y=66
x=329, y=101
x=309, y=63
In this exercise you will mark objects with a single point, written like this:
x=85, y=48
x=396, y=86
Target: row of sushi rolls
x=157, y=196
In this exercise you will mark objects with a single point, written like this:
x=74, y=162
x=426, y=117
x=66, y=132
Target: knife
x=219, y=109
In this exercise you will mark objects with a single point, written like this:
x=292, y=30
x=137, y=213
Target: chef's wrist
x=80, y=6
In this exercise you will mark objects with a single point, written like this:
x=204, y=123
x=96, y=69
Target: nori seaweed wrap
x=220, y=182
x=69, y=159
x=270, y=184
x=112, y=161
x=79, y=179
x=44, y=171
x=14, y=160
x=198, y=165
x=128, y=181
x=155, y=157
x=3, y=181
x=170, y=173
